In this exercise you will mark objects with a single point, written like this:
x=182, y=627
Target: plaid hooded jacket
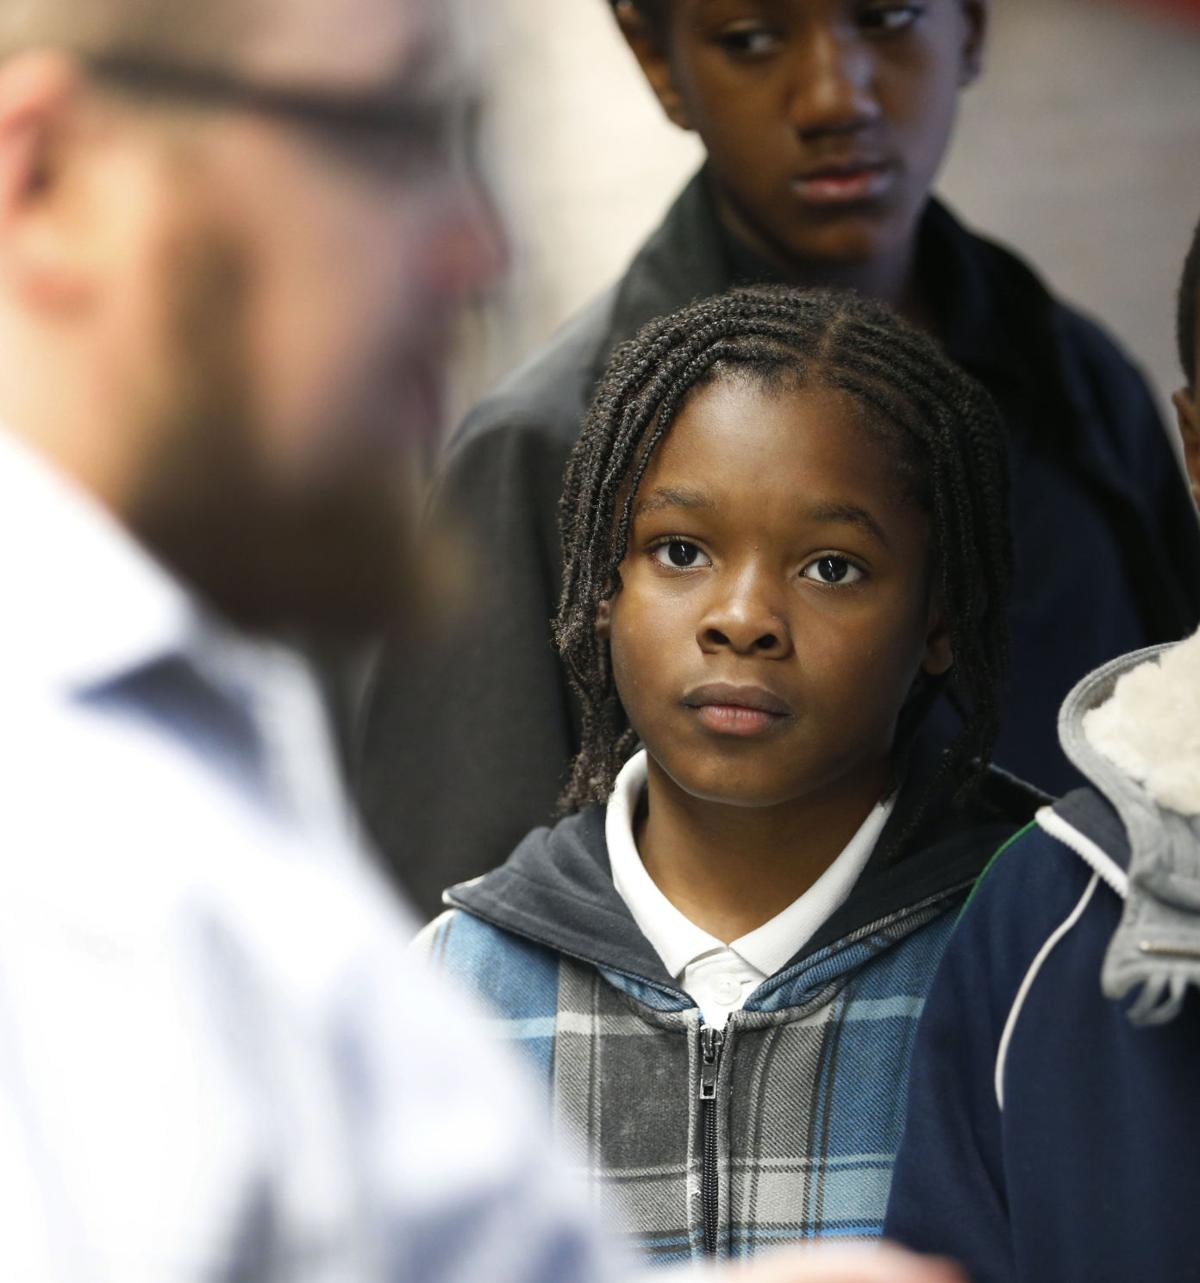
x=784, y=1126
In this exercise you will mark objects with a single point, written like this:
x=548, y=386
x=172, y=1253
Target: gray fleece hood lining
x=1156, y=948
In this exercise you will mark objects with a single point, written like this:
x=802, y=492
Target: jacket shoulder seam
x=987, y=868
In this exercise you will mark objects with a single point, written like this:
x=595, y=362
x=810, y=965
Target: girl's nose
x=833, y=76
x=746, y=621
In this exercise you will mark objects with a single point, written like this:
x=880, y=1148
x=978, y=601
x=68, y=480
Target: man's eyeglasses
x=387, y=129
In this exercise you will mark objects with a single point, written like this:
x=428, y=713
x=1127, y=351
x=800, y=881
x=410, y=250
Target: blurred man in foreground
x=232, y=239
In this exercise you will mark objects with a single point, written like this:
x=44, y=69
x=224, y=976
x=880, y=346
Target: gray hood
x=1156, y=947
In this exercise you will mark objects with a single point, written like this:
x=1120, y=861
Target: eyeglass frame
x=421, y=126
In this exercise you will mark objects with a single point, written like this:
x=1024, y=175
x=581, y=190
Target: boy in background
x=825, y=123
x=1054, y=1110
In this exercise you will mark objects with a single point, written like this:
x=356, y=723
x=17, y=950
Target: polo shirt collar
x=676, y=939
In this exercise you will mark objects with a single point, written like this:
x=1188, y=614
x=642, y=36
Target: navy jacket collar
x=975, y=286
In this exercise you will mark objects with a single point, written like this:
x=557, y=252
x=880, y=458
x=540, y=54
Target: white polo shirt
x=718, y=976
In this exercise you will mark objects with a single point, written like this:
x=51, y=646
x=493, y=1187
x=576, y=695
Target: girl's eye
x=749, y=42
x=832, y=570
x=679, y=554
x=888, y=18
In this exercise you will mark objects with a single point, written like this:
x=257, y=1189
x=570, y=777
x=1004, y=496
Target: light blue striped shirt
x=217, y=1061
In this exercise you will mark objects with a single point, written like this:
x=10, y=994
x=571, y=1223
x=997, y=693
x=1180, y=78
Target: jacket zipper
x=711, y=1042
x=1091, y=853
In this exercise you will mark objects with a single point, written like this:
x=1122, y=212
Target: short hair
x=940, y=426
x=1186, y=315
x=199, y=31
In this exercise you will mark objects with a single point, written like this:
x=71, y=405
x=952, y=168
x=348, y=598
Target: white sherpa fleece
x=1150, y=727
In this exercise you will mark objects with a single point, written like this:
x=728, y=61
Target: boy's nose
x=832, y=87
x=745, y=621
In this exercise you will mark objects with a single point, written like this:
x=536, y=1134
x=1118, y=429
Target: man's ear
x=649, y=45
x=976, y=14
x=39, y=242
x=1187, y=410
x=604, y=620
x=939, y=654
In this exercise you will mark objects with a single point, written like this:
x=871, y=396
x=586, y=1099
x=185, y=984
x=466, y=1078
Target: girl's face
x=825, y=121
x=775, y=606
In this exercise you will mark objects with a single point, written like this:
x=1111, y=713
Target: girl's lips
x=734, y=719
x=843, y=185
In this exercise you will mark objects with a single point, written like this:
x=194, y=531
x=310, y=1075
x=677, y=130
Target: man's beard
x=333, y=561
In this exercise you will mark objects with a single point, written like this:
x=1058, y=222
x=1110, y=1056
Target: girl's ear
x=939, y=654
x=975, y=16
x=604, y=620
x=649, y=45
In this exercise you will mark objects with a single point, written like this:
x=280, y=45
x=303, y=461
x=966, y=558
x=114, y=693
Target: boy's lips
x=845, y=183
x=737, y=710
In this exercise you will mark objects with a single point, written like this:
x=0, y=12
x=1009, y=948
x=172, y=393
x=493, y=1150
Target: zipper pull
x=711, y=1041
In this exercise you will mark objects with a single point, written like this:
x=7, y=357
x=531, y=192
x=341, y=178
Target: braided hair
x=939, y=425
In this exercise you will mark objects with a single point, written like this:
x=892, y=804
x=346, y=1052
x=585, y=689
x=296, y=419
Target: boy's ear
x=975, y=15
x=44, y=248
x=1187, y=409
x=939, y=653
x=649, y=45
x=604, y=620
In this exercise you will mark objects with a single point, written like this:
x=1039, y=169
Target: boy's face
x=825, y=121
x=774, y=608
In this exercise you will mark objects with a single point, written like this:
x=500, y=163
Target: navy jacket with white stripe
x=1049, y=1138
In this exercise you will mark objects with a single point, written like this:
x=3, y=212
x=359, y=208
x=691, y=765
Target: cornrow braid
x=940, y=426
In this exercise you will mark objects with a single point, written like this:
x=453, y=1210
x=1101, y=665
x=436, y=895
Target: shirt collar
x=678, y=940
x=773, y=944
x=968, y=305
x=95, y=605
x=96, y=610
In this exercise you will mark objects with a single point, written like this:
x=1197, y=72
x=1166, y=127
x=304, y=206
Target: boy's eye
x=832, y=570
x=749, y=42
x=887, y=18
x=679, y=554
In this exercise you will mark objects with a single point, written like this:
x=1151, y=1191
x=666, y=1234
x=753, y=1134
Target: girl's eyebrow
x=849, y=514
x=673, y=497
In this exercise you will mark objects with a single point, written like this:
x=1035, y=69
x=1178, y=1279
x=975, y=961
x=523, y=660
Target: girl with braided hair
x=823, y=124
x=784, y=534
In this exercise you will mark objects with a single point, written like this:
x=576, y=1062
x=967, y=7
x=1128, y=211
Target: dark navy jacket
x=1050, y=1139
x=464, y=749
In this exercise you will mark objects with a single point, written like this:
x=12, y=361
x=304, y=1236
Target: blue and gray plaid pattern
x=810, y=1095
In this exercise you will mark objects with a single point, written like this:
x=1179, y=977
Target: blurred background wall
x=1080, y=146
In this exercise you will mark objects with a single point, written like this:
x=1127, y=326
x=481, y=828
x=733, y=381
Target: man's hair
x=654, y=11
x=1185, y=317
x=939, y=426
x=196, y=31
